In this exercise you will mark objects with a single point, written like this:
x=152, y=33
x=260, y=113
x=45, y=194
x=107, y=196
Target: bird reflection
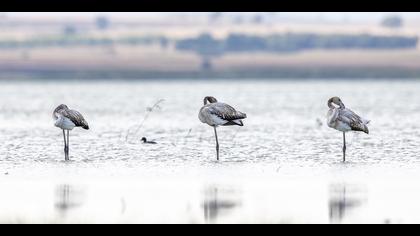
x=216, y=203
x=343, y=198
x=66, y=199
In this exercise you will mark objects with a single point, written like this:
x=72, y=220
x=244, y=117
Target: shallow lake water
x=283, y=166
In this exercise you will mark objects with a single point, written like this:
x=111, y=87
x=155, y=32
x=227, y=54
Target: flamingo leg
x=217, y=142
x=65, y=145
x=68, y=144
x=344, y=147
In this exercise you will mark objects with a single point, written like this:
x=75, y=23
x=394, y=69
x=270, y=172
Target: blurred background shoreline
x=209, y=45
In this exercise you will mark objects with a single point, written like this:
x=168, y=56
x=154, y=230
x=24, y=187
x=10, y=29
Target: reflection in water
x=343, y=198
x=67, y=198
x=218, y=201
x=123, y=206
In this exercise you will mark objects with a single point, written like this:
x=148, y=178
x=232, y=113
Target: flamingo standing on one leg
x=343, y=119
x=216, y=113
x=67, y=119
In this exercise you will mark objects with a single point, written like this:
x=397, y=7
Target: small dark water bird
x=147, y=142
x=344, y=120
x=67, y=120
x=216, y=113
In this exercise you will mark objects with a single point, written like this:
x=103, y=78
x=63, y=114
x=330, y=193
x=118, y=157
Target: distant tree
x=164, y=42
x=258, y=19
x=206, y=64
x=69, y=30
x=392, y=22
x=204, y=45
x=215, y=16
x=240, y=42
x=102, y=22
x=207, y=46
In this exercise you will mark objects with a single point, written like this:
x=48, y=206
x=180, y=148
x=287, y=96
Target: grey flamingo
x=344, y=120
x=215, y=113
x=66, y=120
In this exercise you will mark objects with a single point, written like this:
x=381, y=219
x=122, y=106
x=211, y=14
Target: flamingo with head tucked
x=67, y=119
x=216, y=114
x=343, y=119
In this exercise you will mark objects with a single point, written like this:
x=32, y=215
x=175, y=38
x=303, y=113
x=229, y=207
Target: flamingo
x=67, y=119
x=216, y=113
x=344, y=120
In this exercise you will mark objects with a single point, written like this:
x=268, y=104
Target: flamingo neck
x=331, y=106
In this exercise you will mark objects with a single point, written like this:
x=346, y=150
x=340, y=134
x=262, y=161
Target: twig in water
x=148, y=111
x=186, y=136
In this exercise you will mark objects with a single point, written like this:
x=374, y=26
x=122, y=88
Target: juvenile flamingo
x=344, y=120
x=216, y=113
x=67, y=119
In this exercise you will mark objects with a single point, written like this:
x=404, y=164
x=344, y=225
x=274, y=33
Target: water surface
x=283, y=166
